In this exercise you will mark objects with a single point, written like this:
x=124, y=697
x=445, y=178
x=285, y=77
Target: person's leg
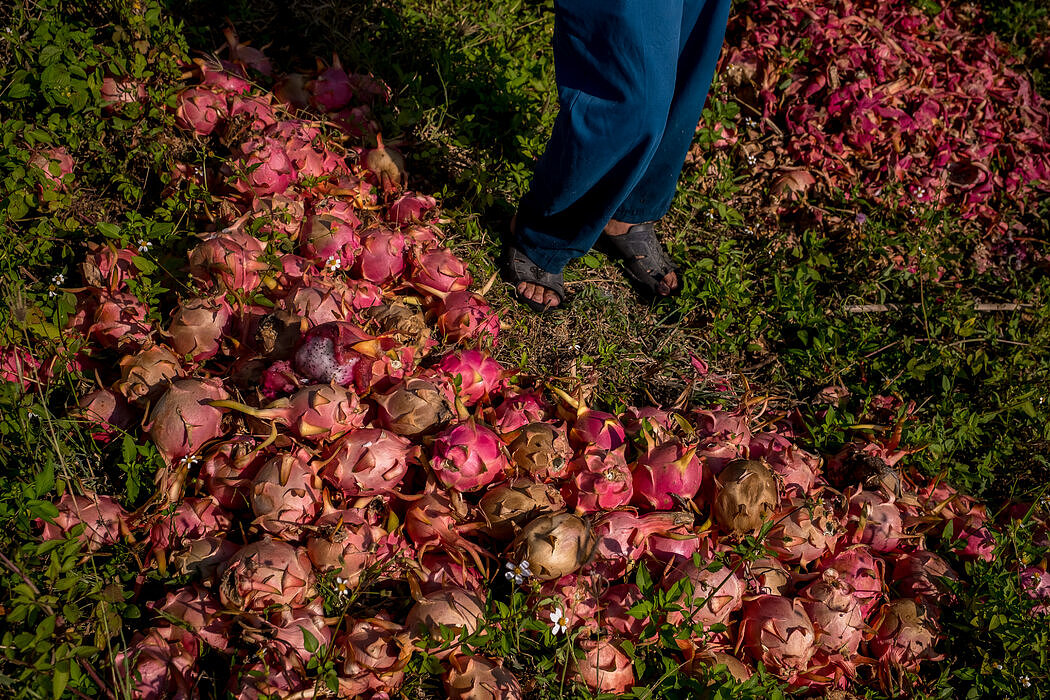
x=615, y=62
x=702, y=33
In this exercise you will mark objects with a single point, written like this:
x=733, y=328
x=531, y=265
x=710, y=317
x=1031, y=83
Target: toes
x=668, y=284
x=550, y=299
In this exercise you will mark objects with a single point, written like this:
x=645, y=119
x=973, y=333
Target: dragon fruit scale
x=468, y=456
x=183, y=419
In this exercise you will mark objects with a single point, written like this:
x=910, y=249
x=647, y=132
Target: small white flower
x=750, y=122
x=189, y=461
x=144, y=246
x=342, y=586
x=1026, y=681
x=332, y=263
x=710, y=215
x=997, y=666
x=610, y=475
x=58, y=279
x=30, y=415
x=52, y=292
x=559, y=623
x=517, y=572
x=576, y=347
x=752, y=159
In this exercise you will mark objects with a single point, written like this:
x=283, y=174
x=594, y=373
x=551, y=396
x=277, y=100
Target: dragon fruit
x=244, y=55
x=903, y=635
x=201, y=110
x=439, y=519
x=439, y=570
x=368, y=461
x=119, y=92
x=459, y=610
x=778, y=632
x=331, y=352
x=747, y=496
x=264, y=167
x=617, y=602
x=875, y=520
x=145, y=375
x=413, y=408
x=55, y=164
x=519, y=408
x=466, y=316
x=204, y=557
x=286, y=493
x=477, y=678
x=183, y=420
x=860, y=569
x=372, y=653
x=119, y=321
x=107, y=412
x=1035, y=584
x=709, y=598
x=223, y=76
x=18, y=366
x=332, y=90
x=601, y=481
x=590, y=428
x=438, y=272
x=331, y=241
x=767, y=575
x=107, y=267
x=234, y=259
x=836, y=614
x=577, y=598
x=540, y=449
x=347, y=542
x=271, y=674
x=411, y=208
x=803, y=531
x=509, y=505
x=796, y=469
x=154, y=667
x=468, y=456
x=317, y=412
x=665, y=469
x=604, y=668
x=280, y=213
x=197, y=615
x=319, y=303
x=288, y=631
x=103, y=519
x=264, y=573
x=622, y=537
x=251, y=112
x=554, y=545
x=198, y=326
x=382, y=256
x=387, y=165
x=922, y=576
x=477, y=376
x=229, y=468
x=192, y=519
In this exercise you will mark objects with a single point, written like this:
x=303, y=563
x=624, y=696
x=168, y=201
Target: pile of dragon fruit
x=349, y=475
x=912, y=110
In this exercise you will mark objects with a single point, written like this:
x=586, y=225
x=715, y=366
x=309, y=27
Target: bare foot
x=669, y=282
x=538, y=294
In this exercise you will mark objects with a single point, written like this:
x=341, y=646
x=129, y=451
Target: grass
x=773, y=305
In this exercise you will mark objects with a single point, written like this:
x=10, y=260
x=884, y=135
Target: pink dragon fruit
x=382, y=256
x=466, y=316
x=386, y=165
x=835, y=611
x=332, y=90
x=875, y=520
x=288, y=631
x=767, y=575
x=102, y=517
x=156, y=668
x=145, y=375
x=604, y=668
x=18, y=366
x=977, y=539
x=195, y=613
x=665, y=469
x=477, y=678
x=709, y=598
x=577, y=598
x=319, y=302
x=223, y=76
x=204, y=557
x=777, y=631
x=254, y=112
x=119, y=321
x=332, y=351
x=904, y=635
x=723, y=436
x=192, y=519
x=601, y=481
x=331, y=241
x=368, y=462
x=198, y=326
x=201, y=110
x=372, y=653
x=860, y=569
x=317, y=412
x=233, y=259
x=518, y=408
x=183, y=420
x=274, y=674
x=107, y=412
x=286, y=493
x=244, y=55
x=411, y=208
x=468, y=456
x=345, y=541
x=660, y=424
x=264, y=573
x=265, y=167
x=108, y=267
x=55, y=164
x=797, y=469
x=922, y=576
x=438, y=272
x=440, y=570
x=454, y=608
x=476, y=374
x=617, y=602
x=622, y=537
x=439, y=519
x=803, y=531
x=229, y=468
x=280, y=213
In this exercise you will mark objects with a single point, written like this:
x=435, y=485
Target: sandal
x=645, y=260
x=518, y=268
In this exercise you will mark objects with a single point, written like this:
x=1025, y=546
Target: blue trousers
x=633, y=76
